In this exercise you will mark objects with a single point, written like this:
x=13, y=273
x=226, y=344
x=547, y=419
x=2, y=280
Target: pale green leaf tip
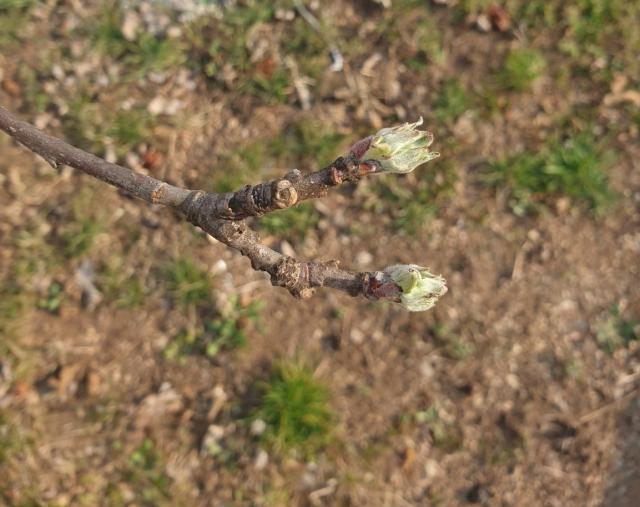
x=401, y=149
x=420, y=289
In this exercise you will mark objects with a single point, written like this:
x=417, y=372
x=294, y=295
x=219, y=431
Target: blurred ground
x=135, y=353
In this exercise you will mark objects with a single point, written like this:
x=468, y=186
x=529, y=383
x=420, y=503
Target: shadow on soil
x=623, y=485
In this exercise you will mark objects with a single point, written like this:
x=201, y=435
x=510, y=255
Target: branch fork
x=223, y=215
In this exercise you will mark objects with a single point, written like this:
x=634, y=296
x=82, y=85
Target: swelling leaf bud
x=419, y=289
x=400, y=149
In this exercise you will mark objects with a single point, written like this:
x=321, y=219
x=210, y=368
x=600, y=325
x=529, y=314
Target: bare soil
x=531, y=410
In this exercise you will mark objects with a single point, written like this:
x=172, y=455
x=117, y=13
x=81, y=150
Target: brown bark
x=222, y=215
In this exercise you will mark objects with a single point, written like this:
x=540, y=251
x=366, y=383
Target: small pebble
x=483, y=23
x=258, y=426
x=357, y=336
x=287, y=249
x=261, y=461
x=364, y=259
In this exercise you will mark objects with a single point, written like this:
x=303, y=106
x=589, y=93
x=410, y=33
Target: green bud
x=419, y=288
x=401, y=149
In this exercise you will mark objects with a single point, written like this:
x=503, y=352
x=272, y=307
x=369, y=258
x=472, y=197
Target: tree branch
x=298, y=277
x=57, y=152
x=253, y=200
x=206, y=209
x=222, y=215
x=294, y=188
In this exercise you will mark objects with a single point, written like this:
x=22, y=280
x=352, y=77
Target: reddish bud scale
x=381, y=287
x=359, y=148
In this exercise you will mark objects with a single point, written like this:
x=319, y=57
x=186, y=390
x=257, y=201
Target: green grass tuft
x=122, y=288
x=574, y=169
x=146, y=476
x=151, y=53
x=452, y=101
x=291, y=223
x=295, y=407
x=10, y=438
x=308, y=142
x=107, y=36
x=215, y=44
x=145, y=456
x=52, y=301
x=146, y=53
x=13, y=15
x=468, y=8
x=577, y=167
x=189, y=285
x=11, y=305
x=226, y=331
x=129, y=128
x=78, y=236
x=427, y=39
x=308, y=46
x=35, y=98
x=592, y=24
x=521, y=68
x=584, y=30
x=242, y=166
x=88, y=125
x=617, y=332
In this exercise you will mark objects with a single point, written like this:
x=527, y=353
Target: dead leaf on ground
x=499, y=17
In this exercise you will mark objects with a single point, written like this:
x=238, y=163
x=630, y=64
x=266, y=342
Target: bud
x=400, y=149
x=419, y=289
